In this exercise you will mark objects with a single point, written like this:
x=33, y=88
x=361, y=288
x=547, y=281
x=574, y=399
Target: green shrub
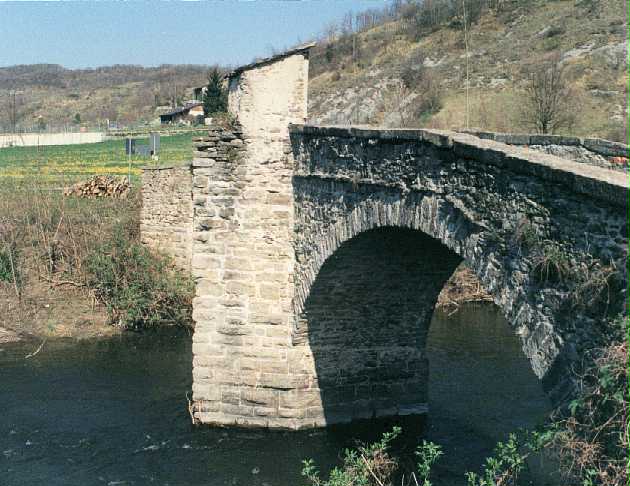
x=10, y=263
x=551, y=263
x=139, y=288
x=592, y=438
x=6, y=271
x=504, y=467
x=525, y=236
x=373, y=465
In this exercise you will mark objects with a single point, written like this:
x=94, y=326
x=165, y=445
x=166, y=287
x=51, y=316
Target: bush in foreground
x=373, y=465
x=139, y=288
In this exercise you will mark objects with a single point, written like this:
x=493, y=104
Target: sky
x=100, y=33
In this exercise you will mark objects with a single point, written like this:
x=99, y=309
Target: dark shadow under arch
x=366, y=321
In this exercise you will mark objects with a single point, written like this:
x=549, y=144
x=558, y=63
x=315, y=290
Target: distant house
x=191, y=112
x=199, y=92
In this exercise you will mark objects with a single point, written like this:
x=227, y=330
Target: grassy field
x=67, y=163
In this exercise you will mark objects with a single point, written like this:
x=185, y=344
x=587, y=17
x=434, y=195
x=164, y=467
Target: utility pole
x=467, y=66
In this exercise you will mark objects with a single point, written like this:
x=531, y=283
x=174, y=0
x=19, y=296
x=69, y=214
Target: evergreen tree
x=215, y=98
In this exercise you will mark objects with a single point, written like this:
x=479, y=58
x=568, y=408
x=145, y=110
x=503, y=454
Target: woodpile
x=100, y=186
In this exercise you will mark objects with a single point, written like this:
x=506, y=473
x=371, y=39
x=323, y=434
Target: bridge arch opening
x=366, y=293
x=366, y=321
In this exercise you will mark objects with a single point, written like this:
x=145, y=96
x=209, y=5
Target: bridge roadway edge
x=597, y=182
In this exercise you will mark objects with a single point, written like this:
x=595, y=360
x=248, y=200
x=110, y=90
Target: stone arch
x=428, y=214
x=433, y=218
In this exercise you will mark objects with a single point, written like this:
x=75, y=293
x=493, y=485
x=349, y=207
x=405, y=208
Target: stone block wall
x=319, y=253
x=243, y=254
x=167, y=217
x=474, y=197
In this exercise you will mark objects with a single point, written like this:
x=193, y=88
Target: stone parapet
x=594, y=181
x=475, y=197
x=594, y=151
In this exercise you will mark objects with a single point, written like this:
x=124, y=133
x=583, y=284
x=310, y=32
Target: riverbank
x=45, y=239
x=74, y=267
x=48, y=311
x=58, y=308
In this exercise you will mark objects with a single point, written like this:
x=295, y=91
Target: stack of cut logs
x=100, y=186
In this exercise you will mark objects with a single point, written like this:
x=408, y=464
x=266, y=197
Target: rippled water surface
x=113, y=412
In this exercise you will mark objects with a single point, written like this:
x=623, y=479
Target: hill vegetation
x=52, y=96
x=435, y=63
x=424, y=63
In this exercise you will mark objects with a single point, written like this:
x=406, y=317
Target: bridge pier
x=243, y=257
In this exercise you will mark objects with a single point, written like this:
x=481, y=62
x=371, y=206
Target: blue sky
x=227, y=32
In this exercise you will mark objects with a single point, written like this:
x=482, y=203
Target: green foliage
x=64, y=164
x=428, y=453
x=504, y=467
x=373, y=465
x=9, y=269
x=592, y=437
x=139, y=288
x=215, y=97
x=369, y=465
x=525, y=236
x=551, y=263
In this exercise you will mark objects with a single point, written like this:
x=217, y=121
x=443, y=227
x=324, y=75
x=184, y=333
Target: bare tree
x=400, y=97
x=546, y=105
x=331, y=31
x=347, y=24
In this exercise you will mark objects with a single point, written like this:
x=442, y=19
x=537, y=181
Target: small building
x=190, y=113
x=199, y=92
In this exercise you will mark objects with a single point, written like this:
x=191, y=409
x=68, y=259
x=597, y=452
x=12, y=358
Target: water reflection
x=113, y=412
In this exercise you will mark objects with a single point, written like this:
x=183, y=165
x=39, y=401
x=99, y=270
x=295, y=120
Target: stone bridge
x=319, y=253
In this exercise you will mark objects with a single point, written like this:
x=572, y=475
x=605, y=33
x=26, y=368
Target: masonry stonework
x=594, y=151
x=471, y=197
x=243, y=254
x=167, y=217
x=319, y=253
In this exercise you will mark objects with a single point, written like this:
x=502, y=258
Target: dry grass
x=49, y=237
x=461, y=288
x=503, y=46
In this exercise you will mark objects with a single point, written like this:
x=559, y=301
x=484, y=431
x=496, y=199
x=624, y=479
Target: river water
x=113, y=412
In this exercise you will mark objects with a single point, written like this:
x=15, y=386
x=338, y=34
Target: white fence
x=34, y=139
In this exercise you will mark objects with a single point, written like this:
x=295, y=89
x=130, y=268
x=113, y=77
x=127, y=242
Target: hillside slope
x=124, y=94
x=357, y=77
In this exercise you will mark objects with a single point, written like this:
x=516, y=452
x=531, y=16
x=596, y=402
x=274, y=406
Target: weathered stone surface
x=319, y=253
x=472, y=198
x=594, y=151
x=167, y=211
